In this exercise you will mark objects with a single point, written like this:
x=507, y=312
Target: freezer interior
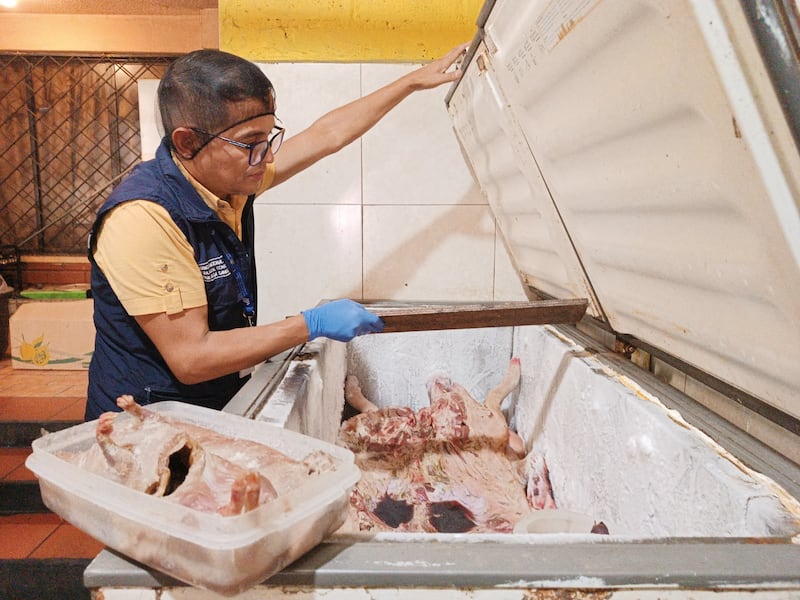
x=614, y=451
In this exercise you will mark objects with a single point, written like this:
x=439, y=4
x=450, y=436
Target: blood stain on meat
x=394, y=512
x=450, y=517
x=599, y=528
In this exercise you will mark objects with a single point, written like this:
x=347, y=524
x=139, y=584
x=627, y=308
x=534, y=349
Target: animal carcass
x=191, y=465
x=454, y=466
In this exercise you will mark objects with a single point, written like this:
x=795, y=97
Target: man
x=173, y=277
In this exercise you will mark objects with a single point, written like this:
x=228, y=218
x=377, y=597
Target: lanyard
x=248, y=310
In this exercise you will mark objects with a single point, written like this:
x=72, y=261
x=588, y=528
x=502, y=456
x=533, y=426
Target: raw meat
x=454, y=466
x=191, y=465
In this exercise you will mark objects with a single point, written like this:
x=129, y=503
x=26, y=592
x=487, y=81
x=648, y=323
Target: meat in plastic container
x=225, y=554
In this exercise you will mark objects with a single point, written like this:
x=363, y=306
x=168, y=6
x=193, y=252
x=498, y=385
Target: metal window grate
x=70, y=128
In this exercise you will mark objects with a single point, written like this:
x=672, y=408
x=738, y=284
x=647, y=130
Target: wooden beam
x=467, y=316
x=107, y=34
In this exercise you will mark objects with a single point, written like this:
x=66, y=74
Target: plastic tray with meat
x=225, y=553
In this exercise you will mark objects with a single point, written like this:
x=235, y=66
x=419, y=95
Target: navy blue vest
x=125, y=361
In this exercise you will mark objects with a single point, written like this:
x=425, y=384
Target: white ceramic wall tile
x=306, y=91
x=430, y=236
x=507, y=283
x=433, y=253
x=411, y=156
x=150, y=134
x=306, y=254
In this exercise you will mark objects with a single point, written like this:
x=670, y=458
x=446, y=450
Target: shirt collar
x=227, y=211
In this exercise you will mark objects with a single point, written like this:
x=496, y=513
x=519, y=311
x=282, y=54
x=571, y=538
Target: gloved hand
x=341, y=320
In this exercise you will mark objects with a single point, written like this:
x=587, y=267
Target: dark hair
x=199, y=88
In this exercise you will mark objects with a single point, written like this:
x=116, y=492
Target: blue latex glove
x=341, y=320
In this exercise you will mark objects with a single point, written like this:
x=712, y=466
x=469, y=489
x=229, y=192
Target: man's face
x=222, y=167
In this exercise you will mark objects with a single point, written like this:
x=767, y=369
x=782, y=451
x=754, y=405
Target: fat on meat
x=453, y=466
x=192, y=465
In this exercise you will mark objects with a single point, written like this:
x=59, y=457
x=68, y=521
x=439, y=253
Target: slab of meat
x=453, y=466
x=191, y=465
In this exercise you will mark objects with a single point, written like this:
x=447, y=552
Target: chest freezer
x=690, y=502
x=640, y=154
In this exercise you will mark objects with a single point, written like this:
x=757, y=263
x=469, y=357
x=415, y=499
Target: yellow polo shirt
x=148, y=261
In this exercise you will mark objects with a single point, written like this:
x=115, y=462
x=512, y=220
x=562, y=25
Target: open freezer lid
x=635, y=153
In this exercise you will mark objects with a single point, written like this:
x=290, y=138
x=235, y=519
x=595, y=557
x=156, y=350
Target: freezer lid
x=635, y=153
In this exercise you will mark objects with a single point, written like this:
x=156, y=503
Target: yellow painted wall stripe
x=345, y=30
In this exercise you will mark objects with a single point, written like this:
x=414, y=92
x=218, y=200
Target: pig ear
x=438, y=380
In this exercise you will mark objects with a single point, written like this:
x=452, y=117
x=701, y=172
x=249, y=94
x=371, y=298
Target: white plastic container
x=556, y=521
x=222, y=554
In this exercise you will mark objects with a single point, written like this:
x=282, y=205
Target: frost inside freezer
x=609, y=450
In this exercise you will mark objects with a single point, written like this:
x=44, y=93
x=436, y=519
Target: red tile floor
x=41, y=395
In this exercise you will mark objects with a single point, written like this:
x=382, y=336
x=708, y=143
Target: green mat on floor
x=53, y=294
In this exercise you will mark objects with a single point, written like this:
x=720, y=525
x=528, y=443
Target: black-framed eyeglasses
x=258, y=150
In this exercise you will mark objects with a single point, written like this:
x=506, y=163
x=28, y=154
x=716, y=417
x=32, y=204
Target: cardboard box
x=52, y=335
